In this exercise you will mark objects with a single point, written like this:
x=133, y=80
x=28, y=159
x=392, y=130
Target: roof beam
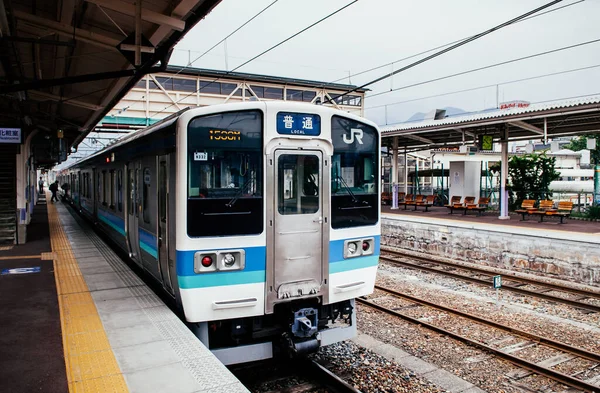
x=68, y=31
x=147, y=15
x=419, y=138
x=71, y=80
x=38, y=95
x=527, y=126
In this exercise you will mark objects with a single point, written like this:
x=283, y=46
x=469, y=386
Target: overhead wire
x=486, y=67
x=223, y=40
x=485, y=86
x=265, y=52
x=448, y=49
x=448, y=44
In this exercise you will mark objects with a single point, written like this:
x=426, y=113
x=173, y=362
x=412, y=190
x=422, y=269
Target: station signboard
x=10, y=135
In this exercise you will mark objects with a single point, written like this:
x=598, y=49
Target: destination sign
x=225, y=135
x=290, y=123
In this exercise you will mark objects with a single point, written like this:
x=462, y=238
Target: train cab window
x=354, y=174
x=298, y=184
x=120, y=190
x=225, y=186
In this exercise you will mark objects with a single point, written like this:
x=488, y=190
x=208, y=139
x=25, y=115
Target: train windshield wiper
x=238, y=194
x=355, y=201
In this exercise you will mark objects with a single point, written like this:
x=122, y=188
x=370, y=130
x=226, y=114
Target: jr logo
x=354, y=133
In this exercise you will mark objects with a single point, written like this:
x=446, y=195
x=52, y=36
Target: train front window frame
x=354, y=174
x=225, y=174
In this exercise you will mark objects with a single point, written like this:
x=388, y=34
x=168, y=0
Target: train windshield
x=225, y=174
x=354, y=169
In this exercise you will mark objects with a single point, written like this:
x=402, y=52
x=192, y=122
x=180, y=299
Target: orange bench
x=527, y=207
x=562, y=211
x=479, y=207
x=428, y=201
x=462, y=206
x=408, y=199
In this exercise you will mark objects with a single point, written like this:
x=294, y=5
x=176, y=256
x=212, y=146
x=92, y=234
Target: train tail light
x=207, y=261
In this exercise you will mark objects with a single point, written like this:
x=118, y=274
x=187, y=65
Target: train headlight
x=352, y=248
x=228, y=259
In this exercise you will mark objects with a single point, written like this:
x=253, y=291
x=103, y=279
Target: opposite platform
x=118, y=335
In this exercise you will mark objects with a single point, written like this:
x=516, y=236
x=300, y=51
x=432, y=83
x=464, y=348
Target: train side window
x=104, y=188
x=112, y=189
x=145, y=195
x=120, y=190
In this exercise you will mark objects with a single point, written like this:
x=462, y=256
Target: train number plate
x=200, y=156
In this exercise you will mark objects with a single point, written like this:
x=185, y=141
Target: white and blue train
x=260, y=219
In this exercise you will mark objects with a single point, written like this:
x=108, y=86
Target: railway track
x=567, y=353
x=574, y=297
x=298, y=376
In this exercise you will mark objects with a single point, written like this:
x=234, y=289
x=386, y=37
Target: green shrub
x=594, y=212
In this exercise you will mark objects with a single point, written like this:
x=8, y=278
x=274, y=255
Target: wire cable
x=485, y=87
x=223, y=40
x=487, y=67
x=264, y=52
x=448, y=49
x=448, y=44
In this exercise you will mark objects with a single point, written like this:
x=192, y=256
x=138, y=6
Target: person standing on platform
x=66, y=187
x=54, y=189
x=41, y=184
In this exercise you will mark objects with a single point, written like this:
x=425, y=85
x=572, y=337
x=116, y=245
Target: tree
x=580, y=143
x=530, y=176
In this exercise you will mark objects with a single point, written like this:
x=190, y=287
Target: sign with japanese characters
x=10, y=135
x=289, y=123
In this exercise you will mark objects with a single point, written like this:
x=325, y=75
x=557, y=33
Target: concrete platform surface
x=154, y=350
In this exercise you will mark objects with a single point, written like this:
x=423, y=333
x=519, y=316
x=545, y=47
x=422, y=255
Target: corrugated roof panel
x=538, y=107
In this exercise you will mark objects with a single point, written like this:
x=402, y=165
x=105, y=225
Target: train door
x=163, y=217
x=297, y=266
x=133, y=177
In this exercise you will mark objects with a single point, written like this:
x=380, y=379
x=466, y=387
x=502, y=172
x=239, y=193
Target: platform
x=86, y=323
x=490, y=218
x=567, y=251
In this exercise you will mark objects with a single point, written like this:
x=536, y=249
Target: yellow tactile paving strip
x=91, y=364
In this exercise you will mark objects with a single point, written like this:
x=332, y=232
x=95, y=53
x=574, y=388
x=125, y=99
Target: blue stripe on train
x=115, y=222
x=255, y=270
x=148, y=242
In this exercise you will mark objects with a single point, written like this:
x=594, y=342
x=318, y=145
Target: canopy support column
x=503, y=176
x=394, y=179
x=405, y=171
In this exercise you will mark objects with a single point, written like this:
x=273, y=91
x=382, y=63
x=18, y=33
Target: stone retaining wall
x=553, y=255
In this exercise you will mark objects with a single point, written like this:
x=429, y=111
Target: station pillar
x=503, y=177
x=394, y=178
x=597, y=185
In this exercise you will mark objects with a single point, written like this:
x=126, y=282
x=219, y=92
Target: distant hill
x=450, y=111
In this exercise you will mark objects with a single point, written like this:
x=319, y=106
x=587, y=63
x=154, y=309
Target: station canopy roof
x=65, y=63
x=576, y=116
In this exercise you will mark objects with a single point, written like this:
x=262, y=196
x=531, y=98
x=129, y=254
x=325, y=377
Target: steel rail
x=540, y=339
x=535, y=368
x=556, y=299
x=492, y=271
x=328, y=378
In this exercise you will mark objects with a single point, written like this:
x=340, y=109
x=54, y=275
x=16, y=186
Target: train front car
x=280, y=210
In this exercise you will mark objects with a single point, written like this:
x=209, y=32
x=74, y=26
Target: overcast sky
x=371, y=33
